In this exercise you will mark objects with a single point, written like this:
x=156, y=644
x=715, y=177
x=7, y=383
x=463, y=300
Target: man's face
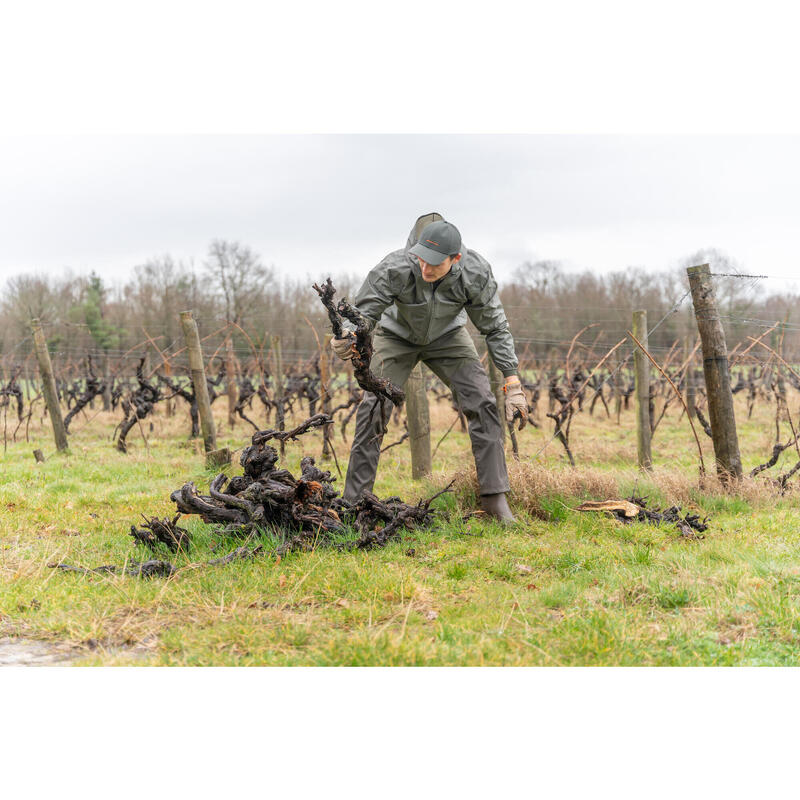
x=431, y=273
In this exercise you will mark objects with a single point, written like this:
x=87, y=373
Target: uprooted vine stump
x=361, y=350
x=305, y=510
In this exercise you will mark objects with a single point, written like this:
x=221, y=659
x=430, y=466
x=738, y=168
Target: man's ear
x=456, y=258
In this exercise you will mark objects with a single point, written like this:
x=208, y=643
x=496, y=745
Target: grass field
x=557, y=588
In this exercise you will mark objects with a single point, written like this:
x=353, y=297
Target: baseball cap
x=436, y=242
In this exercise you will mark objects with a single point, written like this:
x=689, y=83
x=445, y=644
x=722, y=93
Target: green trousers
x=454, y=360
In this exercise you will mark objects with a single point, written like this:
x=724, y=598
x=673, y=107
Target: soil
x=32, y=653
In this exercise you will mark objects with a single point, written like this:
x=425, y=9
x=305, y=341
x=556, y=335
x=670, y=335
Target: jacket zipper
x=432, y=315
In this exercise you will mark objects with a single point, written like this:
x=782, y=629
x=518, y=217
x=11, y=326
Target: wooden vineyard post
x=49, y=386
x=716, y=371
x=496, y=384
x=277, y=381
x=170, y=400
x=618, y=388
x=691, y=389
x=198, y=372
x=230, y=379
x=419, y=423
x=641, y=366
x=325, y=393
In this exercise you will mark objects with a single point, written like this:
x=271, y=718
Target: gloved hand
x=516, y=402
x=343, y=347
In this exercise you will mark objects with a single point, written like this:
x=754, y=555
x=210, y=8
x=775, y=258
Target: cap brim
x=432, y=257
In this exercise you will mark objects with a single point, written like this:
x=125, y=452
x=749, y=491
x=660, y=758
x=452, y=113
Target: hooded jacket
x=395, y=297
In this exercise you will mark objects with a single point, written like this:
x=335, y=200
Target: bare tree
x=237, y=275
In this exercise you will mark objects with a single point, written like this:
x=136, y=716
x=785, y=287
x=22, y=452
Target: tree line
x=546, y=305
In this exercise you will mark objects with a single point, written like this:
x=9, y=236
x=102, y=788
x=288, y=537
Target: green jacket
x=396, y=299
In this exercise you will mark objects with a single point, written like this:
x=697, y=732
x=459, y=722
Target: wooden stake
x=641, y=368
x=198, y=371
x=691, y=389
x=717, y=374
x=49, y=386
x=419, y=423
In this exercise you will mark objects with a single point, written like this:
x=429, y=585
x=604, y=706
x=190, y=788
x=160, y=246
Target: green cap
x=436, y=242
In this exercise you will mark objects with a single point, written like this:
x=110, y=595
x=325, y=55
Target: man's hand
x=344, y=347
x=516, y=402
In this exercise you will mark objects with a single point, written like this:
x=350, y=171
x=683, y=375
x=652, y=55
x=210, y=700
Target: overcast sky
x=316, y=204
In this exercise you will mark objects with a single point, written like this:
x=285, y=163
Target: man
x=419, y=299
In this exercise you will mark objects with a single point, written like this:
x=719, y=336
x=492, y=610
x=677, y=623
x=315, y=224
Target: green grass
x=557, y=588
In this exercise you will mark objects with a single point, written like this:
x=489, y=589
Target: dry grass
x=532, y=485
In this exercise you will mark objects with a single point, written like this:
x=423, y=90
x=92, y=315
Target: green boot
x=496, y=505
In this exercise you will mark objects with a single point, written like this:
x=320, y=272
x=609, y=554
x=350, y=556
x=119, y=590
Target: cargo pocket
x=415, y=317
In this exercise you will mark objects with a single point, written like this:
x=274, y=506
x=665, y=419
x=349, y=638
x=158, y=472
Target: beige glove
x=515, y=401
x=343, y=347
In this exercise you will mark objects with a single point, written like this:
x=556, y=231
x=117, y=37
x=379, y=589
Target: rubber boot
x=496, y=505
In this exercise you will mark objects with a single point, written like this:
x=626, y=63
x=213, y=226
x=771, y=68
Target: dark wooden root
x=704, y=424
x=94, y=388
x=399, y=441
x=246, y=394
x=12, y=389
x=514, y=443
x=562, y=419
x=239, y=554
x=136, y=569
x=306, y=510
x=690, y=526
x=777, y=449
x=783, y=480
x=353, y=403
x=137, y=407
x=362, y=351
x=395, y=514
x=186, y=392
x=158, y=569
x=156, y=532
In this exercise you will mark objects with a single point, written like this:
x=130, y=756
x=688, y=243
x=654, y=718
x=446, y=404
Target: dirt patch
x=32, y=653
